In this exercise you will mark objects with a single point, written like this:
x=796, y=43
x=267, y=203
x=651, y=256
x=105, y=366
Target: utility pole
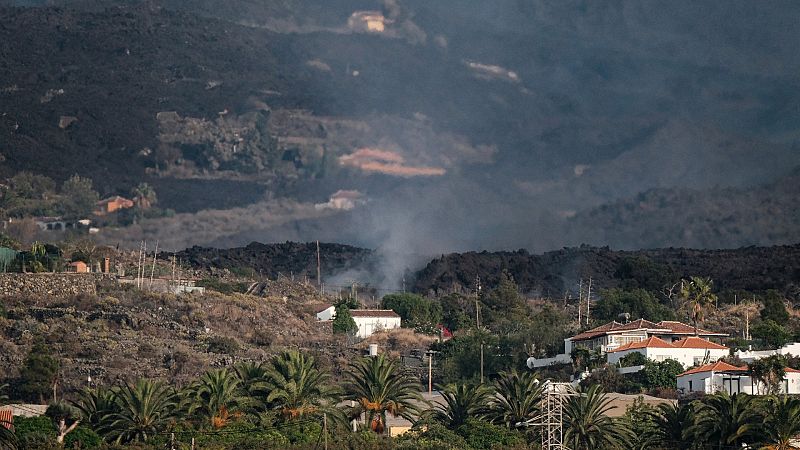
x=430, y=354
x=319, y=269
x=478, y=316
x=325, y=428
x=747, y=325
x=580, y=301
x=153, y=270
x=588, y=300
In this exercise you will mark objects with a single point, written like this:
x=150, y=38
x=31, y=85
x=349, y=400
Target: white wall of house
x=711, y=382
x=369, y=325
x=688, y=357
x=750, y=356
x=327, y=314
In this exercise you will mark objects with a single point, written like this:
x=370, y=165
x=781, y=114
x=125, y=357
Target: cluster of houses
x=697, y=350
x=104, y=207
x=368, y=321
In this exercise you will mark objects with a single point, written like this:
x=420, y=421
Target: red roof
x=696, y=342
x=663, y=327
x=681, y=328
x=719, y=366
x=373, y=313
x=651, y=342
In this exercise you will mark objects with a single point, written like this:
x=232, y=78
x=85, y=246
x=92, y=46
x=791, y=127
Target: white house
x=614, y=335
x=689, y=351
x=749, y=356
x=721, y=376
x=326, y=312
x=371, y=320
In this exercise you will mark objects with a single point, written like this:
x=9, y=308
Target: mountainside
x=458, y=125
x=557, y=274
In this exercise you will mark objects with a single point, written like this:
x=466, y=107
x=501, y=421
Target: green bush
x=222, y=344
x=482, y=435
x=83, y=438
x=633, y=359
x=431, y=436
x=35, y=433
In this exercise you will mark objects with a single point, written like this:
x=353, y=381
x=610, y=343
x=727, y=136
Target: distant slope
x=714, y=218
x=272, y=260
x=552, y=274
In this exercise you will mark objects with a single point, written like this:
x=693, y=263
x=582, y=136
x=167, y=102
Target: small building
x=78, y=267
x=721, y=376
x=367, y=21
x=369, y=321
x=689, y=351
x=326, y=312
x=112, y=204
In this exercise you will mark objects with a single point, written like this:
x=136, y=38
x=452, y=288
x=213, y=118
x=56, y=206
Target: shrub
x=483, y=435
x=222, y=344
x=35, y=433
x=633, y=359
x=83, y=438
x=431, y=436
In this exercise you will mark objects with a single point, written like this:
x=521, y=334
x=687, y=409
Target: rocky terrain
x=557, y=274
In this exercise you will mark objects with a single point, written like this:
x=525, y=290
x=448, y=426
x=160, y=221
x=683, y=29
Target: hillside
x=555, y=274
x=461, y=126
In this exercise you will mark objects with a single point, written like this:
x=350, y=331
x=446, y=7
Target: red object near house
x=112, y=204
x=446, y=334
x=78, y=267
x=7, y=418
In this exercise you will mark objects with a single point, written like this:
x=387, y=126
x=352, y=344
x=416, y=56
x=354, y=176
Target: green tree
x=517, y=398
x=774, y=308
x=769, y=373
x=587, y=424
x=640, y=303
x=481, y=435
x=142, y=410
x=39, y=374
x=638, y=420
x=343, y=322
x=726, y=421
x=65, y=419
x=461, y=402
x=782, y=423
x=296, y=386
x=144, y=196
x=94, y=405
x=661, y=374
x=671, y=429
x=379, y=386
x=250, y=374
x=457, y=311
x=633, y=359
x=697, y=295
x=772, y=334
x=216, y=398
x=414, y=310
x=80, y=199
x=504, y=304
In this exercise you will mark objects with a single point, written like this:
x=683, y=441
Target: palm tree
x=782, y=423
x=462, y=402
x=296, y=386
x=60, y=413
x=143, y=409
x=216, y=397
x=696, y=292
x=94, y=405
x=586, y=423
x=249, y=374
x=726, y=420
x=378, y=386
x=518, y=398
x=144, y=196
x=672, y=422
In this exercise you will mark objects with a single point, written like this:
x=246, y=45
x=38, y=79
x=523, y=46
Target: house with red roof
x=614, y=334
x=689, y=351
x=723, y=377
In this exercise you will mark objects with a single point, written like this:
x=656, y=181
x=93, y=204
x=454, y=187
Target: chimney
x=106, y=265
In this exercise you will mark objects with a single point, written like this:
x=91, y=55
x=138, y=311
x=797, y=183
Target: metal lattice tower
x=552, y=419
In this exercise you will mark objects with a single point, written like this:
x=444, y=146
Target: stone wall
x=51, y=284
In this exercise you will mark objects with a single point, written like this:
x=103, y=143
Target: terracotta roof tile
x=651, y=342
x=682, y=328
x=696, y=342
x=719, y=366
